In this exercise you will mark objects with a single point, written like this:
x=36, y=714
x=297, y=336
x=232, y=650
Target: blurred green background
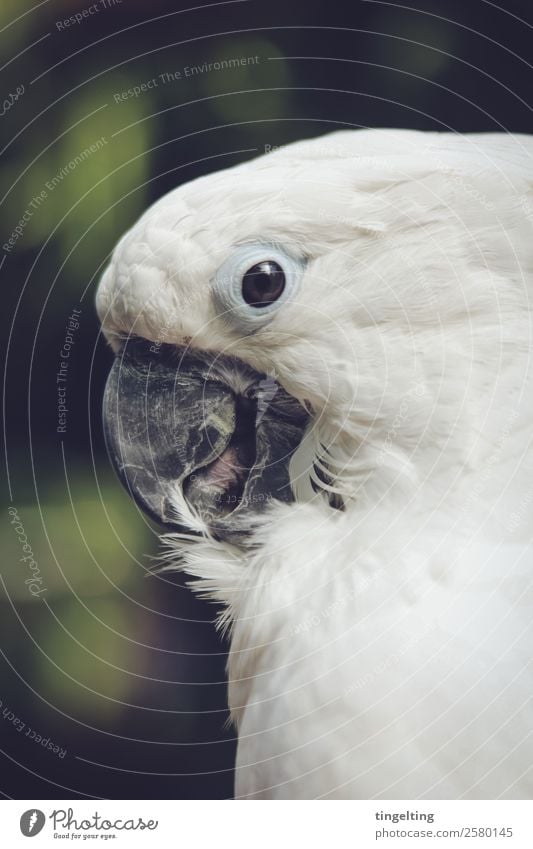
x=117, y=665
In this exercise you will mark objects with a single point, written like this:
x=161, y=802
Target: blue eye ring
x=255, y=259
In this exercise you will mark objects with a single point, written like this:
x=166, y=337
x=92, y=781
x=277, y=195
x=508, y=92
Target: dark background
x=118, y=665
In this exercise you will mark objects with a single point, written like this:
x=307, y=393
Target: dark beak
x=203, y=426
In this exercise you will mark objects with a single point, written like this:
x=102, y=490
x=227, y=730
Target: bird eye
x=253, y=283
x=263, y=284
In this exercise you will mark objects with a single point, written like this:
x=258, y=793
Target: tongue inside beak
x=174, y=423
x=218, y=488
x=225, y=473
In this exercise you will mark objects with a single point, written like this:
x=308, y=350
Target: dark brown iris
x=263, y=284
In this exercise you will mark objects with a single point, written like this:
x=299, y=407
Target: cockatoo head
x=243, y=308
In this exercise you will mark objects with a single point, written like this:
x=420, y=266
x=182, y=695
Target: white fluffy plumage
x=383, y=651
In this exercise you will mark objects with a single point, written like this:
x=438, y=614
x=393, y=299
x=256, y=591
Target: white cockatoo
x=323, y=388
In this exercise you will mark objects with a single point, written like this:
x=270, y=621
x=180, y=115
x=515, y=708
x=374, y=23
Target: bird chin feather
x=218, y=567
